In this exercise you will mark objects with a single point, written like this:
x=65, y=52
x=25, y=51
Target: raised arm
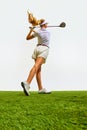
x=30, y=36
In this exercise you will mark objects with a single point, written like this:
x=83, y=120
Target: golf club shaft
x=53, y=26
x=47, y=26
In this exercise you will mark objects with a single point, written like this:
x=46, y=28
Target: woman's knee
x=37, y=67
x=38, y=63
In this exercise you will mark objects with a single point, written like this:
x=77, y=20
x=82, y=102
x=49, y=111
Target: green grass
x=61, y=110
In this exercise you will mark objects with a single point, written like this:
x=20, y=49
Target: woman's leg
x=36, y=68
x=38, y=78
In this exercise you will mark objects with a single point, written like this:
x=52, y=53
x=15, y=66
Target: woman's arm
x=30, y=36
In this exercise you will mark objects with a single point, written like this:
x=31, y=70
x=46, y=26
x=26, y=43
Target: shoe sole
x=22, y=84
x=44, y=92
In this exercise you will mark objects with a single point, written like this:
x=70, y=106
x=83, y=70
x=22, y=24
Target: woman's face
x=45, y=25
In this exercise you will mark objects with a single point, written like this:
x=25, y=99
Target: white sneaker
x=44, y=91
x=26, y=88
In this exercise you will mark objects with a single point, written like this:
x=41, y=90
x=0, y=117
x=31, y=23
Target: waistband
x=42, y=45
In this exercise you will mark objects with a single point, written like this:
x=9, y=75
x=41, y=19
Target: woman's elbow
x=26, y=38
x=29, y=37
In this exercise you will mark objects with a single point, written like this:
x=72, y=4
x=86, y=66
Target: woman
x=39, y=55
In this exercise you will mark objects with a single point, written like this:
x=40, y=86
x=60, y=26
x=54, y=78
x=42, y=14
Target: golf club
x=62, y=25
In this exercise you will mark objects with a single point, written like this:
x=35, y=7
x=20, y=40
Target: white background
x=66, y=66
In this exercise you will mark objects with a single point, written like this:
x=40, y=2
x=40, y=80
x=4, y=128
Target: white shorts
x=40, y=51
